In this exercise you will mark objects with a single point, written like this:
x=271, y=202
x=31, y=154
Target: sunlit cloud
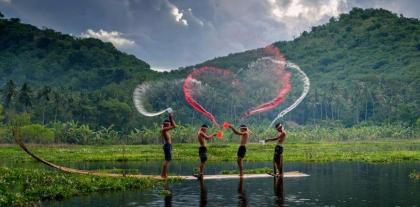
x=305, y=9
x=113, y=37
x=177, y=14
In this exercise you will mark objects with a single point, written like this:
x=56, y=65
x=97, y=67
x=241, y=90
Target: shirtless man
x=244, y=133
x=202, y=136
x=278, y=150
x=167, y=125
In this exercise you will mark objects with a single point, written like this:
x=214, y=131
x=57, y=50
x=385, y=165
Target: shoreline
x=364, y=151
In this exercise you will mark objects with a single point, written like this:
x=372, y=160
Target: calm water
x=330, y=184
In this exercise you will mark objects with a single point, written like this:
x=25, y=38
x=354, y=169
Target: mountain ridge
x=360, y=64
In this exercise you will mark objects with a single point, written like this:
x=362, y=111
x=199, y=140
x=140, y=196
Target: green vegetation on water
x=27, y=187
x=371, y=151
x=248, y=171
x=414, y=175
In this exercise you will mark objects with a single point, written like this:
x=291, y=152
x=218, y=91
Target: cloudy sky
x=172, y=33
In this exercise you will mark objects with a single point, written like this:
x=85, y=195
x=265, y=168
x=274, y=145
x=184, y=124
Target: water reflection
x=243, y=199
x=349, y=184
x=278, y=190
x=203, y=194
x=168, y=195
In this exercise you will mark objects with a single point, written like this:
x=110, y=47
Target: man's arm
x=210, y=136
x=280, y=137
x=236, y=131
x=173, y=124
x=272, y=139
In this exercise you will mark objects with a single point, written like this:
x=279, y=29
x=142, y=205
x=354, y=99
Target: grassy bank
x=372, y=151
x=73, y=133
x=27, y=187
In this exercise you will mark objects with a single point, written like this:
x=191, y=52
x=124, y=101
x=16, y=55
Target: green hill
x=29, y=54
x=364, y=66
x=67, y=78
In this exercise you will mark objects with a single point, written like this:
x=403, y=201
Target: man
x=202, y=136
x=244, y=134
x=167, y=125
x=278, y=150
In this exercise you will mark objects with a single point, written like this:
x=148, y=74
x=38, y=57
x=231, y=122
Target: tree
x=43, y=97
x=57, y=103
x=1, y=113
x=25, y=96
x=9, y=92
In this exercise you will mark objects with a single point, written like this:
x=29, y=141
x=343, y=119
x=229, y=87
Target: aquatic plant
x=28, y=187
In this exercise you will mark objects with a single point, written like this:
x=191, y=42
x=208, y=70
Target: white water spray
x=306, y=85
x=138, y=103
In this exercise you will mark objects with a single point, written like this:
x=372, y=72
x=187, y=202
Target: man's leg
x=164, y=172
x=240, y=165
x=201, y=168
x=277, y=163
x=275, y=167
x=280, y=165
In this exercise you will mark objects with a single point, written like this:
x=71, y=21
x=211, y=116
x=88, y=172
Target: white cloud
x=177, y=14
x=308, y=11
x=300, y=15
x=113, y=37
x=6, y=1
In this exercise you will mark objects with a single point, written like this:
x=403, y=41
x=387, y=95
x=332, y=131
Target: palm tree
x=25, y=96
x=334, y=96
x=43, y=97
x=57, y=103
x=1, y=113
x=9, y=92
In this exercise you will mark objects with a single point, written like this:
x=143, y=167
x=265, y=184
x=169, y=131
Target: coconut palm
x=25, y=96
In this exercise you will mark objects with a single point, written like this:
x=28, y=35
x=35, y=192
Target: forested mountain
x=363, y=66
x=58, y=77
x=28, y=54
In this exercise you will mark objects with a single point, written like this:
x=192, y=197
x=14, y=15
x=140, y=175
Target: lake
x=329, y=184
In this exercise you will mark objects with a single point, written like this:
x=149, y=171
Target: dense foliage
x=363, y=67
x=82, y=134
x=27, y=187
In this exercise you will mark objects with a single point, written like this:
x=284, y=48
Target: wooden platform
x=294, y=174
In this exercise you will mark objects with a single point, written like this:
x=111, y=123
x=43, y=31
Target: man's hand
x=272, y=139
